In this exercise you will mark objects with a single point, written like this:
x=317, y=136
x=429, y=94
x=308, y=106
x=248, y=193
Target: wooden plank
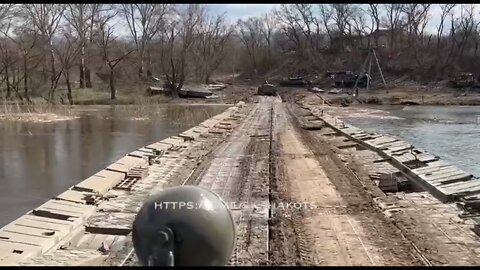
x=394, y=144
x=439, y=171
x=39, y=227
x=441, y=181
x=189, y=135
x=382, y=143
x=64, y=210
x=13, y=253
x=44, y=242
x=430, y=165
x=146, y=150
x=424, y=157
x=470, y=190
x=126, y=163
x=346, y=145
x=159, y=146
x=104, y=180
x=466, y=182
x=383, y=139
x=78, y=196
x=398, y=148
x=139, y=154
x=405, y=157
x=399, y=152
x=115, y=223
x=67, y=257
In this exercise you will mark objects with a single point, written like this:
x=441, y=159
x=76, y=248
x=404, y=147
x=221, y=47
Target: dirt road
x=336, y=224
x=239, y=173
x=293, y=202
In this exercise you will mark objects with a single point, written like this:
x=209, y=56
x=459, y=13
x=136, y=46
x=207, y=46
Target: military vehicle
x=184, y=226
x=347, y=79
x=267, y=89
x=293, y=81
x=463, y=79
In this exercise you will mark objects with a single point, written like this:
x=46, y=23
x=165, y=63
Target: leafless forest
x=46, y=49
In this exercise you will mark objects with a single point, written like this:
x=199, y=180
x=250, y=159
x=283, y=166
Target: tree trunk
x=25, y=78
x=82, y=76
x=69, y=86
x=112, y=85
x=149, y=63
x=171, y=85
x=140, y=68
x=207, y=78
x=141, y=61
x=15, y=82
x=9, y=90
x=88, y=81
x=44, y=72
x=82, y=67
x=52, y=77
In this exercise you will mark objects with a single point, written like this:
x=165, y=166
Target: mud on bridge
x=295, y=204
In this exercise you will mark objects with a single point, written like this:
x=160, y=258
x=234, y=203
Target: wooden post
x=380, y=69
x=369, y=72
x=363, y=70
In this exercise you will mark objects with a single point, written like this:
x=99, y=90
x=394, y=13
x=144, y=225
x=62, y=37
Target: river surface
x=450, y=132
x=41, y=160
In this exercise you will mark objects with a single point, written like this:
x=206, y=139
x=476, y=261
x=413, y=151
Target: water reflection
x=40, y=160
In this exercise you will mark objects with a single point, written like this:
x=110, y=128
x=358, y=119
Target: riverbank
x=232, y=94
x=40, y=113
x=409, y=96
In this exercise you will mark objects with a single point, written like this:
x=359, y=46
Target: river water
x=450, y=132
x=41, y=160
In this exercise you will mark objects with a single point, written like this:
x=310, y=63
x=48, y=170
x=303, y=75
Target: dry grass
x=40, y=111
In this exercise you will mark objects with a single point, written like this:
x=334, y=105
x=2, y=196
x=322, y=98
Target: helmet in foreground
x=185, y=225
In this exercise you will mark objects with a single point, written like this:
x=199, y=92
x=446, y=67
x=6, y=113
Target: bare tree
x=112, y=55
x=178, y=45
x=326, y=16
x=269, y=22
x=446, y=11
x=373, y=12
x=212, y=38
x=144, y=22
x=8, y=61
x=25, y=41
x=393, y=22
x=45, y=20
x=5, y=15
x=67, y=51
x=250, y=35
x=82, y=18
x=342, y=14
x=465, y=25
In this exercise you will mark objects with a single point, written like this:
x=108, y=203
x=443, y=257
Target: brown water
x=41, y=160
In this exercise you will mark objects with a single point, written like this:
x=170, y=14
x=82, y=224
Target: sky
x=243, y=11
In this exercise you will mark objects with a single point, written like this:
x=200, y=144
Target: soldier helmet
x=185, y=225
